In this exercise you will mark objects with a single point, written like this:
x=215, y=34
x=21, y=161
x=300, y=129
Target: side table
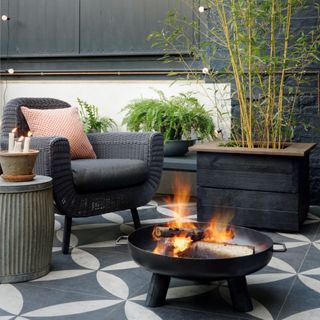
x=26, y=229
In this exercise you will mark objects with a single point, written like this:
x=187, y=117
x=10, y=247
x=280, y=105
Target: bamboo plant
x=260, y=53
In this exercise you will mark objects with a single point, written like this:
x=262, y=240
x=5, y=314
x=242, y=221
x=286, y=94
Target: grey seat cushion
x=94, y=175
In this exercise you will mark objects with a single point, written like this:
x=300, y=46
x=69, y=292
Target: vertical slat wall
x=53, y=28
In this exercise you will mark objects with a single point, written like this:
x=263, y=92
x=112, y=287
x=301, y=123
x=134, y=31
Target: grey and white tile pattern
x=99, y=280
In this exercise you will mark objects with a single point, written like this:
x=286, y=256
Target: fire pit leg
x=241, y=300
x=157, y=290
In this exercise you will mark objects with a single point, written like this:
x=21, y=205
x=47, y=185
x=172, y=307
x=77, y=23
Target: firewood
x=167, y=232
x=203, y=249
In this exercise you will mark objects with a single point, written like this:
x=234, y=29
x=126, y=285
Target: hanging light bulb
x=5, y=18
x=11, y=71
x=202, y=9
x=205, y=70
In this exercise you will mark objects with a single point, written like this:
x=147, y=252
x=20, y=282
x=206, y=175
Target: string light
x=5, y=18
x=205, y=71
x=202, y=9
x=11, y=71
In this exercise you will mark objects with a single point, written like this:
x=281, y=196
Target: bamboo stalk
x=250, y=69
x=270, y=105
x=242, y=101
x=281, y=90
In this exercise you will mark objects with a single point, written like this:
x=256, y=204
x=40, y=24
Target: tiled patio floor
x=98, y=280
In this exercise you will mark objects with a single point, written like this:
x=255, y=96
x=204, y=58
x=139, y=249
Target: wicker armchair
x=54, y=161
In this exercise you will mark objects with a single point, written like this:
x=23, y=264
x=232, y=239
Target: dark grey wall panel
x=122, y=26
x=43, y=27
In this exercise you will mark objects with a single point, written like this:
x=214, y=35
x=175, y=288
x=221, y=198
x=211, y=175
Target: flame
x=21, y=138
x=179, y=203
x=29, y=133
x=217, y=230
x=180, y=244
x=160, y=248
x=14, y=130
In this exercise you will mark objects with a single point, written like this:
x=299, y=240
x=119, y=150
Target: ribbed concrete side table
x=26, y=229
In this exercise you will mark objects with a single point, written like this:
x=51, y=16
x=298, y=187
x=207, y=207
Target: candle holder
x=18, y=166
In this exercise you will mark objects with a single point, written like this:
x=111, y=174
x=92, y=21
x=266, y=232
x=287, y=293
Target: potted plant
x=179, y=118
x=259, y=174
x=91, y=120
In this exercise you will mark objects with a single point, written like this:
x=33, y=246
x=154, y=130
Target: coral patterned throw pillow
x=63, y=122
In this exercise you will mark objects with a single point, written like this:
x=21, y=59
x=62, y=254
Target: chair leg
x=135, y=217
x=66, y=234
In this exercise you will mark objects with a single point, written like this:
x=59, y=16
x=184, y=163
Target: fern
x=176, y=117
x=91, y=120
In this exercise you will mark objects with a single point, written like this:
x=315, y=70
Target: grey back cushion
x=94, y=175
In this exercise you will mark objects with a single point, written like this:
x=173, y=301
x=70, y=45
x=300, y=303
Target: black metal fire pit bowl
x=234, y=270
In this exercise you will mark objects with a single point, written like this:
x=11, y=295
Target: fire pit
x=201, y=262
x=199, y=251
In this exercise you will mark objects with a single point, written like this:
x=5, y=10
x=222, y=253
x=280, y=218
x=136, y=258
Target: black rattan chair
x=54, y=161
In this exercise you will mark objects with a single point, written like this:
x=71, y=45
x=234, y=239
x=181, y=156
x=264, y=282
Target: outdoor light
x=205, y=71
x=202, y=9
x=5, y=18
x=11, y=71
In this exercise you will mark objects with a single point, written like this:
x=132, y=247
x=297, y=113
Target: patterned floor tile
x=99, y=280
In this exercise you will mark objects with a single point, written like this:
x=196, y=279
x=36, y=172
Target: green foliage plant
x=177, y=117
x=267, y=60
x=91, y=120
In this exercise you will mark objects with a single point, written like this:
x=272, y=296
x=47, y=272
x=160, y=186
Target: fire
x=180, y=244
x=179, y=203
x=29, y=133
x=21, y=138
x=14, y=130
x=217, y=230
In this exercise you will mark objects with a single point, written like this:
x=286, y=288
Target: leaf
x=113, y=284
x=11, y=299
x=85, y=259
x=77, y=307
x=135, y=311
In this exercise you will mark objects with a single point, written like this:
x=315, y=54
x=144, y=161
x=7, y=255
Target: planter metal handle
x=284, y=248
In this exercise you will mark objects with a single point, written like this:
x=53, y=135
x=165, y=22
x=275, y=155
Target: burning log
x=203, y=249
x=167, y=232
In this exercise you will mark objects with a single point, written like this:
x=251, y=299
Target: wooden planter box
x=263, y=188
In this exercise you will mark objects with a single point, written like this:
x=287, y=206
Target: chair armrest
x=125, y=145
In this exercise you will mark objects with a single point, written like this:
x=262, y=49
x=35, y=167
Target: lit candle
x=18, y=145
x=11, y=140
x=26, y=145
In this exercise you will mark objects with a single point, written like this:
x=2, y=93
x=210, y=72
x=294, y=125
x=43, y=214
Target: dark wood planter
x=263, y=188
